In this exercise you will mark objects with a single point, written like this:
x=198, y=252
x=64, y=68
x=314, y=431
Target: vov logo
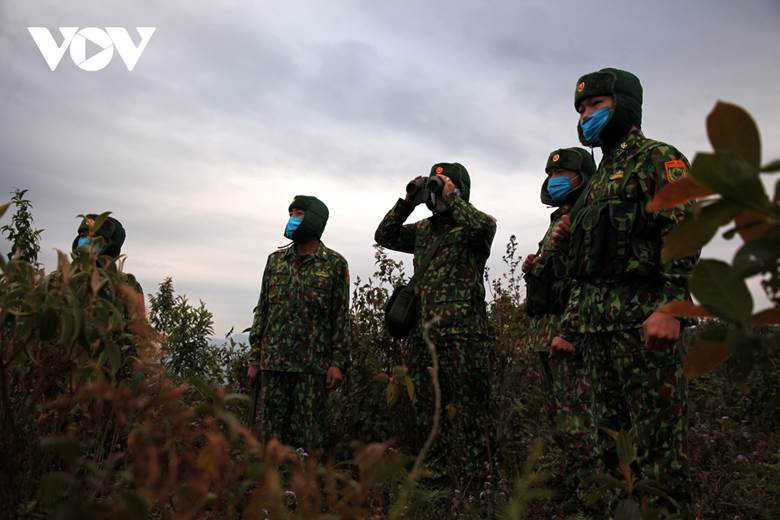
x=104, y=41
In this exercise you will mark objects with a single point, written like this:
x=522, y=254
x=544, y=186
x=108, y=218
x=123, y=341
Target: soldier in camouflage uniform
x=547, y=294
x=451, y=289
x=631, y=349
x=300, y=335
x=109, y=237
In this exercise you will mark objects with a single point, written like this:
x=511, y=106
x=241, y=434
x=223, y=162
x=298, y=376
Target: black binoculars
x=425, y=184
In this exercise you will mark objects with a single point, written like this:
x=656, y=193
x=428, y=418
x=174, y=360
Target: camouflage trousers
x=293, y=409
x=569, y=402
x=462, y=449
x=643, y=391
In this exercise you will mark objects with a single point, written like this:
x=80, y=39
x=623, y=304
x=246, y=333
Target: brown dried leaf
x=685, y=309
x=676, y=193
x=705, y=357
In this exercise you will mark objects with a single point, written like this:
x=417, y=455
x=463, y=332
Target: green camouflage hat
x=575, y=159
x=314, y=220
x=625, y=88
x=457, y=173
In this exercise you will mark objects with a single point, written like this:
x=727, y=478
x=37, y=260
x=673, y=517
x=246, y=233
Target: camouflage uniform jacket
x=615, y=244
x=452, y=287
x=543, y=328
x=301, y=321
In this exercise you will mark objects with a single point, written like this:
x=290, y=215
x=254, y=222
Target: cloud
x=235, y=107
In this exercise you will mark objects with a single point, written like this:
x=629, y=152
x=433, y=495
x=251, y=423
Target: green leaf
x=627, y=509
x=772, y=167
x=625, y=447
x=99, y=221
x=731, y=177
x=731, y=129
x=697, y=229
x=723, y=293
x=409, y=387
x=114, y=357
x=760, y=255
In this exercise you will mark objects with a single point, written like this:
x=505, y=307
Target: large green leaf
x=697, y=229
x=731, y=177
x=760, y=255
x=723, y=293
x=731, y=129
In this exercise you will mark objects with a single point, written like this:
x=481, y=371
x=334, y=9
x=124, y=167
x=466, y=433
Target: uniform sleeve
x=260, y=315
x=392, y=233
x=570, y=317
x=480, y=227
x=341, y=342
x=669, y=165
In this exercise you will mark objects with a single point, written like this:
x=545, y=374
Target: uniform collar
x=320, y=254
x=630, y=141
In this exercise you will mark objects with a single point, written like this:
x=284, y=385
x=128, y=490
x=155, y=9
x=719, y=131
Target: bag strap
x=418, y=273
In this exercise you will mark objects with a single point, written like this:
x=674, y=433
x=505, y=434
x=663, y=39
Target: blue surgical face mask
x=292, y=225
x=558, y=188
x=83, y=241
x=593, y=125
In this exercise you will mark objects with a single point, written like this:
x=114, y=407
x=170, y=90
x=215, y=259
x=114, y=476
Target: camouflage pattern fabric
x=543, y=328
x=452, y=287
x=644, y=391
x=462, y=449
x=616, y=245
x=452, y=290
x=292, y=409
x=572, y=398
x=301, y=321
x=618, y=282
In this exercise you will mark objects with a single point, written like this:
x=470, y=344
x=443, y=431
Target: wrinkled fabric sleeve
x=392, y=233
x=570, y=317
x=260, y=315
x=480, y=227
x=341, y=341
x=676, y=273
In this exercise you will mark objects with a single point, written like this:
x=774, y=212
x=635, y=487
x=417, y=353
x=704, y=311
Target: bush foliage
x=105, y=415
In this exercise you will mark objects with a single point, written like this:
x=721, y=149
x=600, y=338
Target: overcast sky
x=234, y=107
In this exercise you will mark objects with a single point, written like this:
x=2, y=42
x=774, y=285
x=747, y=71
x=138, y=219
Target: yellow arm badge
x=675, y=170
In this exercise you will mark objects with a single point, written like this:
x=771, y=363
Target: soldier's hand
x=562, y=232
x=251, y=373
x=529, y=259
x=661, y=331
x=561, y=346
x=333, y=378
x=449, y=186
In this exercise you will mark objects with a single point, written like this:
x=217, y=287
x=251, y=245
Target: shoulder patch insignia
x=321, y=274
x=616, y=176
x=675, y=170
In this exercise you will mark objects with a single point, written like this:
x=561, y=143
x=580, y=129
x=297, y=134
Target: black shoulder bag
x=401, y=308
